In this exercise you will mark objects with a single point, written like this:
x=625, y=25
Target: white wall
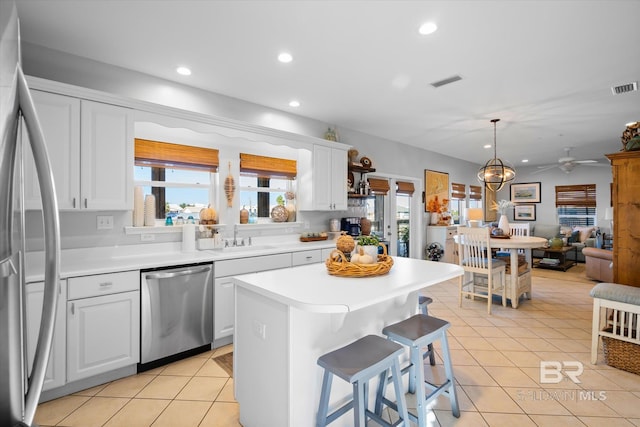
x=389, y=157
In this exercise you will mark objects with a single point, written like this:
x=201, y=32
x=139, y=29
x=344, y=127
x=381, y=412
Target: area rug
x=226, y=362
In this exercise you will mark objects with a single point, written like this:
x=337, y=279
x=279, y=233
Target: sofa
x=598, y=264
x=581, y=237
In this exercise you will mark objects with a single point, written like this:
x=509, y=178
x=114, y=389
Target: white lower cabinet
x=306, y=257
x=103, y=323
x=34, y=295
x=224, y=304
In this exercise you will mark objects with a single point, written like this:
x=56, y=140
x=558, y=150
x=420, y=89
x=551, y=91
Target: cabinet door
x=103, y=334
x=34, y=295
x=322, y=189
x=224, y=311
x=60, y=121
x=339, y=179
x=106, y=157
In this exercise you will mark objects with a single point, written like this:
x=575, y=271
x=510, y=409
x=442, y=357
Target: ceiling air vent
x=446, y=81
x=629, y=87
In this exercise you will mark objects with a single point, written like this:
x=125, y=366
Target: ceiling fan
x=568, y=163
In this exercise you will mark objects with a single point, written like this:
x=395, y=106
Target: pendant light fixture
x=495, y=173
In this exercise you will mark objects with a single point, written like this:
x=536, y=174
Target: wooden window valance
x=475, y=192
x=458, y=191
x=403, y=187
x=168, y=155
x=576, y=195
x=268, y=167
x=379, y=186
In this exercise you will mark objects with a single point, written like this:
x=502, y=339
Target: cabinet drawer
x=234, y=267
x=306, y=257
x=103, y=284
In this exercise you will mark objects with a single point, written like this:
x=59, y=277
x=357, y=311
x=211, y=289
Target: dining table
x=512, y=244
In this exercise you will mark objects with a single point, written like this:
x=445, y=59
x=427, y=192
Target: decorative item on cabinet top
x=631, y=137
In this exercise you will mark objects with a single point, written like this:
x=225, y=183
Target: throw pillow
x=585, y=233
x=574, y=237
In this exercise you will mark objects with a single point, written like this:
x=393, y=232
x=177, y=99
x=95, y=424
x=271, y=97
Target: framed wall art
x=527, y=192
x=436, y=188
x=524, y=213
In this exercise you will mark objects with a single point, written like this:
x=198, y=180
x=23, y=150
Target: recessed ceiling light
x=184, y=71
x=285, y=57
x=427, y=28
x=525, y=160
x=486, y=146
x=294, y=103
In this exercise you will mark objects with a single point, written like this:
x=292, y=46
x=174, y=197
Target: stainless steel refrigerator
x=20, y=392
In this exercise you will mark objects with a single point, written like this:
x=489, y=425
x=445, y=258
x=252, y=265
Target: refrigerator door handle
x=52, y=248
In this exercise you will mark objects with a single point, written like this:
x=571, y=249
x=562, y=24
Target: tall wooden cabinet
x=626, y=217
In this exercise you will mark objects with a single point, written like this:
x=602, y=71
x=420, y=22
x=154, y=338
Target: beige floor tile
x=54, y=411
x=202, y=388
x=635, y=421
x=597, y=380
x=222, y=414
x=508, y=420
x=522, y=358
x=536, y=401
x=537, y=344
x=187, y=367
x=517, y=332
x=507, y=344
x=626, y=380
x=467, y=419
x=490, y=332
x=625, y=403
x=475, y=343
x=491, y=399
x=556, y=421
x=126, y=387
x=138, y=413
x=510, y=376
x=462, y=357
x=570, y=345
x=211, y=369
x=163, y=387
x=182, y=413
x=473, y=375
x=605, y=422
x=491, y=358
x=580, y=404
x=91, y=391
x=227, y=393
x=95, y=412
x=547, y=333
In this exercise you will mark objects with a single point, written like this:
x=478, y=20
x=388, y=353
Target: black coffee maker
x=351, y=225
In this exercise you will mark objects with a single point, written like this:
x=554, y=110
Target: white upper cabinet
x=60, y=121
x=106, y=157
x=326, y=188
x=90, y=147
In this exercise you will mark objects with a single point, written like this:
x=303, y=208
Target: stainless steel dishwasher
x=176, y=313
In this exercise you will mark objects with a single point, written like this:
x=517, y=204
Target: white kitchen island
x=286, y=319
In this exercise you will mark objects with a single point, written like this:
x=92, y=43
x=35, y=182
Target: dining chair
x=473, y=246
x=519, y=228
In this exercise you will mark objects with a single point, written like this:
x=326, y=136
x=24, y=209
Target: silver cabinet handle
x=74, y=203
x=177, y=273
x=106, y=284
x=85, y=203
x=309, y=257
x=73, y=308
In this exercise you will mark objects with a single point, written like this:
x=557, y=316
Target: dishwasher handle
x=176, y=273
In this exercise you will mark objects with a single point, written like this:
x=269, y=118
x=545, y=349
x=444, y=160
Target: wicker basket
x=337, y=265
x=621, y=354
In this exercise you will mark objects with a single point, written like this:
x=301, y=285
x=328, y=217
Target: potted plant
x=369, y=244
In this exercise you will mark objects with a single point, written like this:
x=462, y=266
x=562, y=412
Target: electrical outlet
x=146, y=237
x=104, y=222
x=260, y=329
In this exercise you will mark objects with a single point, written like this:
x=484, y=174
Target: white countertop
x=87, y=261
x=311, y=288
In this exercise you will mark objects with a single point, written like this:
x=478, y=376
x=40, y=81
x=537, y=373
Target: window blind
x=379, y=186
x=168, y=155
x=475, y=192
x=268, y=167
x=576, y=195
x=458, y=191
x=404, y=188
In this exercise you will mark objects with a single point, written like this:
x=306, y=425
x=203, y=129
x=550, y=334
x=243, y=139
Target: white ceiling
x=545, y=68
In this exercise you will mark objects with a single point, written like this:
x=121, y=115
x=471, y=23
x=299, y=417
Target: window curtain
x=458, y=191
x=404, y=188
x=576, y=195
x=379, y=186
x=159, y=154
x=268, y=167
